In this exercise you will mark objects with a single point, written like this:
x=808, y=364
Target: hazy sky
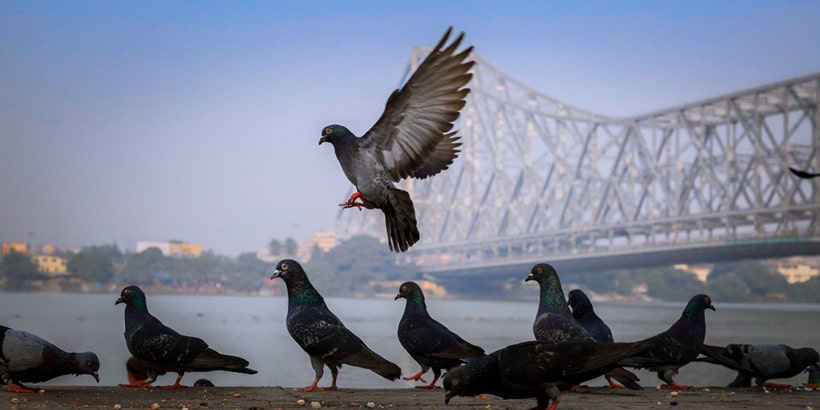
x=199, y=121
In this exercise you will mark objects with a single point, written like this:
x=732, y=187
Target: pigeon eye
x=540, y=270
x=284, y=266
x=328, y=130
x=404, y=288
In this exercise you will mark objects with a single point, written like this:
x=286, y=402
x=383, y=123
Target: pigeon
x=762, y=361
x=814, y=376
x=25, y=357
x=429, y=342
x=803, y=174
x=678, y=345
x=412, y=138
x=584, y=313
x=321, y=334
x=554, y=322
x=537, y=369
x=161, y=349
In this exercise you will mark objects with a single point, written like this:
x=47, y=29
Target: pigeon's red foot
x=136, y=383
x=775, y=385
x=351, y=202
x=416, y=377
x=13, y=388
x=613, y=385
x=674, y=385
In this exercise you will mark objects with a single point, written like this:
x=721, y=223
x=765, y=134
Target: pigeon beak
x=119, y=300
x=96, y=376
x=277, y=273
x=529, y=278
x=398, y=295
x=711, y=307
x=447, y=396
x=323, y=139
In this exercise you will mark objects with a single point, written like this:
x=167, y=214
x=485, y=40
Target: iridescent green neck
x=552, y=295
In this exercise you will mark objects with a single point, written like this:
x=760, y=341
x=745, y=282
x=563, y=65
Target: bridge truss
x=538, y=179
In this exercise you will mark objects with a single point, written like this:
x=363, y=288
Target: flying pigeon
x=321, y=334
x=25, y=357
x=537, y=369
x=762, y=361
x=554, y=322
x=429, y=342
x=804, y=174
x=584, y=313
x=412, y=138
x=161, y=349
x=678, y=345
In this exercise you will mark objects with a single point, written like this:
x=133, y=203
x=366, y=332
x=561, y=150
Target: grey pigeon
x=412, y=138
x=678, y=345
x=429, y=342
x=536, y=369
x=321, y=334
x=762, y=361
x=25, y=357
x=804, y=174
x=554, y=322
x=584, y=313
x=161, y=349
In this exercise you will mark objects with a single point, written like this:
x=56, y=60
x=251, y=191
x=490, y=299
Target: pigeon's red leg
x=310, y=388
x=137, y=383
x=333, y=383
x=673, y=385
x=774, y=385
x=19, y=389
x=613, y=385
x=432, y=385
x=351, y=202
x=176, y=384
x=555, y=402
x=416, y=377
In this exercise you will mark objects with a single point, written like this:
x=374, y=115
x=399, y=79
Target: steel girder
x=538, y=178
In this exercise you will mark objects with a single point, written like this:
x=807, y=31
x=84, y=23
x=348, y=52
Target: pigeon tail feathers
x=400, y=219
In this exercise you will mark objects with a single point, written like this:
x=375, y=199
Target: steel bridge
x=542, y=180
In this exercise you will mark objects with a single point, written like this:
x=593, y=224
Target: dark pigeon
x=678, y=345
x=429, y=342
x=412, y=138
x=25, y=357
x=762, y=362
x=554, y=322
x=537, y=369
x=804, y=174
x=321, y=334
x=584, y=313
x=161, y=349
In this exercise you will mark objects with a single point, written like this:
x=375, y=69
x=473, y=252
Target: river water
x=254, y=327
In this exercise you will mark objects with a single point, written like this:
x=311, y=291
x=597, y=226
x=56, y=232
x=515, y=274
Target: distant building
x=177, y=249
x=796, y=271
x=323, y=240
x=19, y=247
x=53, y=265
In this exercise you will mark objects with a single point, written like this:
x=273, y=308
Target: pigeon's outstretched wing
x=412, y=138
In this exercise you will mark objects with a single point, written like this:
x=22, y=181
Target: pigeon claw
x=14, y=388
x=674, y=385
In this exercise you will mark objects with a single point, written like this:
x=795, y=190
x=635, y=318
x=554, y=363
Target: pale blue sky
x=126, y=121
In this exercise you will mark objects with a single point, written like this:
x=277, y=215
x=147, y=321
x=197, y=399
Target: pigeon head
x=697, y=305
x=470, y=379
x=552, y=295
x=132, y=296
x=579, y=302
x=411, y=292
x=334, y=133
x=288, y=270
x=300, y=290
x=87, y=363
